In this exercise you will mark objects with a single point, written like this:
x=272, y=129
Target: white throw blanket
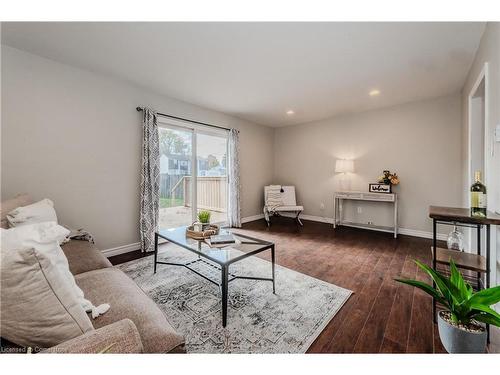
x=273, y=197
x=45, y=238
x=79, y=235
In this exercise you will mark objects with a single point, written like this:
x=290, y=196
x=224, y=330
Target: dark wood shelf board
x=462, y=215
x=468, y=261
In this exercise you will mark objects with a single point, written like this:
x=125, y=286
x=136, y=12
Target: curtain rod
x=139, y=109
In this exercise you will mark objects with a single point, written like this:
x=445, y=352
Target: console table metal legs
x=338, y=209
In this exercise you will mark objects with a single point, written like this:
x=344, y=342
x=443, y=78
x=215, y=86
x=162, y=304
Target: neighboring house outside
x=175, y=165
x=180, y=165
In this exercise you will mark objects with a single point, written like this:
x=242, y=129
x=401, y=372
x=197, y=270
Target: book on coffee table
x=221, y=239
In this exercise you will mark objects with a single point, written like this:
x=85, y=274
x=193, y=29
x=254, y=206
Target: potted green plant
x=204, y=218
x=461, y=324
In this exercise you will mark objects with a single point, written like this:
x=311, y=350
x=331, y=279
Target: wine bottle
x=478, y=197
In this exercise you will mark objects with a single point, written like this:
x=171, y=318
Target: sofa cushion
x=37, y=307
x=10, y=204
x=120, y=337
x=84, y=256
x=127, y=300
x=45, y=238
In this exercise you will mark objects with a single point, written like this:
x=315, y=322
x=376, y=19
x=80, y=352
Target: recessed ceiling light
x=290, y=112
x=374, y=92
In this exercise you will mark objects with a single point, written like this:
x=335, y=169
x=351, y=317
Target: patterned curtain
x=234, y=214
x=150, y=180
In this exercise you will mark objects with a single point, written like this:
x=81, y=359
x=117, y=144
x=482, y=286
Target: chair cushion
x=127, y=300
x=84, y=256
x=289, y=208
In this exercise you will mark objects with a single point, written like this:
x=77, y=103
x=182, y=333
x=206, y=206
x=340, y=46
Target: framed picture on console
x=380, y=188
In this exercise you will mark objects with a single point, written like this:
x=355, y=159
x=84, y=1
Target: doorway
x=477, y=130
x=479, y=147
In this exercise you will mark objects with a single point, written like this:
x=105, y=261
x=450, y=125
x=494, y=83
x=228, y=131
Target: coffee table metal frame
x=226, y=276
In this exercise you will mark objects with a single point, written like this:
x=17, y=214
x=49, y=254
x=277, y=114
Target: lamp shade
x=344, y=166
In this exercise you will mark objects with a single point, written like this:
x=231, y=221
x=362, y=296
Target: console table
x=340, y=196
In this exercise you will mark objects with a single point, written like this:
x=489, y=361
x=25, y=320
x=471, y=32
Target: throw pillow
x=45, y=238
x=38, y=212
x=39, y=307
x=9, y=204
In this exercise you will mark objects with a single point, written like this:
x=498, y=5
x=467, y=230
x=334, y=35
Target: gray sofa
x=133, y=324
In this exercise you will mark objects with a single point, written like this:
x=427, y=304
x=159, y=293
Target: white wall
x=75, y=137
x=420, y=141
x=488, y=51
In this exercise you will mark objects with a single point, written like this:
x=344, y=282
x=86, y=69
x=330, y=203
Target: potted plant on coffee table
x=204, y=218
x=461, y=324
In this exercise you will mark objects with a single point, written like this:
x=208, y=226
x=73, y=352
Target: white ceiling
x=258, y=71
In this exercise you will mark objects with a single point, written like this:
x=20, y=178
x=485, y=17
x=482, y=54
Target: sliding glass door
x=211, y=181
x=193, y=174
x=176, y=153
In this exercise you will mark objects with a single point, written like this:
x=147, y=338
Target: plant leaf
x=487, y=297
x=488, y=319
x=485, y=309
x=426, y=288
x=442, y=284
x=458, y=281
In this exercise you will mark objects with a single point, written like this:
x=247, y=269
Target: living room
x=250, y=187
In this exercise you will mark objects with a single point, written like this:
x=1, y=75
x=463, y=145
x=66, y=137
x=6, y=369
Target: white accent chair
x=289, y=205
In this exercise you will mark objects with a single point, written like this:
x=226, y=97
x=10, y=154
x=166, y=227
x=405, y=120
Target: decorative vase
x=457, y=340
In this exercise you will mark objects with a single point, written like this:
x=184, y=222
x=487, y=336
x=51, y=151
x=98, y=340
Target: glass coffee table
x=216, y=260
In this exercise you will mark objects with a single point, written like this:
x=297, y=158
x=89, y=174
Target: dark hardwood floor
x=382, y=316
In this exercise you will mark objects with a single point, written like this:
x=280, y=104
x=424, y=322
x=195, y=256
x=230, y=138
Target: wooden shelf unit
x=468, y=261
x=477, y=263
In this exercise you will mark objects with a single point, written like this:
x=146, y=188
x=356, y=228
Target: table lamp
x=344, y=166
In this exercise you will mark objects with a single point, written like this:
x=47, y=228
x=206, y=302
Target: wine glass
x=455, y=240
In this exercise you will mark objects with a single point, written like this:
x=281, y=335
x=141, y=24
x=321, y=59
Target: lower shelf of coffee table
x=208, y=270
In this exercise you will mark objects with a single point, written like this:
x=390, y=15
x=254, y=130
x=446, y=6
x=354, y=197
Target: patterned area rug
x=258, y=320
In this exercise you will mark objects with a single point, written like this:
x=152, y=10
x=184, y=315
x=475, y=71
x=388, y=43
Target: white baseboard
x=252, y=218
x=409, y=232
x=320, y=219
x=423, y=234
x=405, y=231
x=121, y=249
